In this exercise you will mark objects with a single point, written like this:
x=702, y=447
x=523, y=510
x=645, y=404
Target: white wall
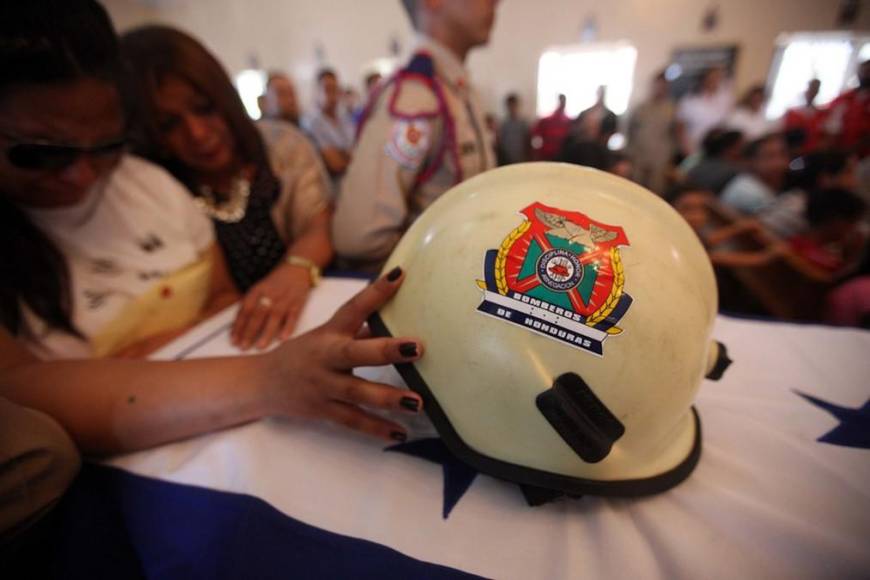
x=283, y=34
x=127, y=13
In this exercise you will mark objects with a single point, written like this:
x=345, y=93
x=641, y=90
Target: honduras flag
x=782, y=489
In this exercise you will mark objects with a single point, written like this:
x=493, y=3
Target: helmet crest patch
x=560, y=274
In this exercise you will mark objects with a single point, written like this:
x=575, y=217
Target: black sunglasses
x=46, y=156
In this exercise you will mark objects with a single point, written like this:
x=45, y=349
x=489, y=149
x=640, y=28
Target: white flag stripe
x=767, y=499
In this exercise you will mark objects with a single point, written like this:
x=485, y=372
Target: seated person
x=263, y=187
x=833, y=243
x=849, y=303
x=104, y=251
x=821, y=170
x=279, y=100
x=695, y=204
x=330, y=125
x=115, y=265
x=61, y=122
x=756, y=188
x=720, y=161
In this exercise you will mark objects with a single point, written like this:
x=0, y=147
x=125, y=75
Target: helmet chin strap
x=538, y=496
x=580, y=418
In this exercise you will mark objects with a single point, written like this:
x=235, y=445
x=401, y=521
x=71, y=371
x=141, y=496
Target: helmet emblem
x=560, y=274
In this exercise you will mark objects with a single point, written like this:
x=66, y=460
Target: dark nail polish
x=398, y=436
x=408, y=349
x=394, y=274
x=410, y=403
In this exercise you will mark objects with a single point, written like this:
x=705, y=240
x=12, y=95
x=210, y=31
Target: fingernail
x=398, y=436
x=410, y=403
x=394, y=274
x=408, y=349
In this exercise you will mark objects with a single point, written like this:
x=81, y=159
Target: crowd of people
x=138, y=198
x=762, y=194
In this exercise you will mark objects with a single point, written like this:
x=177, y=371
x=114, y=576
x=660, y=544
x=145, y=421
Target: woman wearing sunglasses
x=105, y=252
x=263, y=185
x=73, y=274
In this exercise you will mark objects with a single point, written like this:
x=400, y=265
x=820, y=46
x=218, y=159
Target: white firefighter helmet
x=566, y=314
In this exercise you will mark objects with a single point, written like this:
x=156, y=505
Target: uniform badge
x=409, y=142
x=558, y=273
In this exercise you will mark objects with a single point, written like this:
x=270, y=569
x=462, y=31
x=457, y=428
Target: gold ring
x=265, y=302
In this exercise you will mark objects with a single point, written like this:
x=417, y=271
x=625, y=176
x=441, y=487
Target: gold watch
x=313, y=269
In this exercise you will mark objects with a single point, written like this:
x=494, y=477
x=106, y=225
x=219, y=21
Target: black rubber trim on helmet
x=538, y=496
x=579, y=417
x=527, y=475
x=722, y=363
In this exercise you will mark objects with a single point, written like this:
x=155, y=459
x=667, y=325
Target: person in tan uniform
x=652, y=136
x=423, y=132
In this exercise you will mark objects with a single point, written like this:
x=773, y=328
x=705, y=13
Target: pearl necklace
x=231, y=210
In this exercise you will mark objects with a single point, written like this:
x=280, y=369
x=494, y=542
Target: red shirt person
x=806, y=120
x=848, y=118
x=550, y=132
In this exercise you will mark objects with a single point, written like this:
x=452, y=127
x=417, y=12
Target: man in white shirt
x=749, y=117
x=705, y=109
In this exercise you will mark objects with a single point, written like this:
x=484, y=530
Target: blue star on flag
x=854, y=427
x=458, y=476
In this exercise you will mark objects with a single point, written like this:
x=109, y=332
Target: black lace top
x=252, y=246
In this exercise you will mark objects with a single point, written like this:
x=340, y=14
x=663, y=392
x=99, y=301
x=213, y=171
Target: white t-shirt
x=700, y=113
x=752, y=125
x=747, y=194
x=135, y=227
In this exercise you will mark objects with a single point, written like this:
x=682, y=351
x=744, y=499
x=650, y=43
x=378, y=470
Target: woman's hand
x=271, y=307
x=113, y=406
x=310, y=376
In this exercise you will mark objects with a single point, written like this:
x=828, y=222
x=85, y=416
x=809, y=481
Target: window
x=383, y=66
x=251, y=83
x=830, y=57
x=578, y=70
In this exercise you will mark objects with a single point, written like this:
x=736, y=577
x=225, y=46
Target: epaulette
x=415, y=91
x=418, y=74
x=422, y=64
